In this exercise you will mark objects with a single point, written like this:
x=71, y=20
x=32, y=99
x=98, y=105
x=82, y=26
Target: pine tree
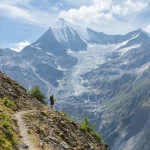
x=36, y=92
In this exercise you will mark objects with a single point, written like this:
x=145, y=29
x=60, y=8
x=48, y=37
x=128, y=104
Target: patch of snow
x=36, y=47
x=38, y=44
x=126, y=62
x=124, y=43
x=83, y=33
x=69, y=51
x=59, y=34
x=143, y=68
x=60, y=27
x=60, y=68
x=87, y=60
x=125, y=50
x=120, y=45
x=50, y=54
x=134, y=37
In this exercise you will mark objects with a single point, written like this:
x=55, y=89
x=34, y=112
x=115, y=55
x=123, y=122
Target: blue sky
x=24, y=21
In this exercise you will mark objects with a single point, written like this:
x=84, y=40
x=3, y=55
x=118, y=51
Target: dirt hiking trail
x=26, y=142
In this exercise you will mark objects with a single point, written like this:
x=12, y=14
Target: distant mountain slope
x=121, y=88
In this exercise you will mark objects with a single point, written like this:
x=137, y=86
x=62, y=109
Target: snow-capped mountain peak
x=63, y=35
x=61, y=28
x=141, y=31
x=61, y=23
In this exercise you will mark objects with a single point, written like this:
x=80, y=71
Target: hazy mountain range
x=104, y=77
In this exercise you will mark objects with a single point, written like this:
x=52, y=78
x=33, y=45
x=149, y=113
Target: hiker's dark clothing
x=52, y=100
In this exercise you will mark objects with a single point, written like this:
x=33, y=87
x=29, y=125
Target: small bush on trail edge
x=8, y=103
x=85, y=126
x=8, y=136
x=36, y=92
x=90, y=128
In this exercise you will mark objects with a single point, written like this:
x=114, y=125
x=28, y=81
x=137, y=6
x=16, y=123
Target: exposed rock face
x=49, y=129
x=15, y=92
x=58, y=131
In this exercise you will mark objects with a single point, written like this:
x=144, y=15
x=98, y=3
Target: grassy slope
x=8, y=128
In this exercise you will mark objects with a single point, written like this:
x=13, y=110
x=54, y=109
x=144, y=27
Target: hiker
x=52, y=100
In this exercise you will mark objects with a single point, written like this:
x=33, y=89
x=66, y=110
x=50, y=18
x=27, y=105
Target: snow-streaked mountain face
x=104, y=77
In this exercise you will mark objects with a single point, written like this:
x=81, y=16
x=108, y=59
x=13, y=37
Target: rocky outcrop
x=56, y=130
x=15, y=92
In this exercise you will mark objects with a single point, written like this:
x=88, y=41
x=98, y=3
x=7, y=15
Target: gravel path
x=26, y=142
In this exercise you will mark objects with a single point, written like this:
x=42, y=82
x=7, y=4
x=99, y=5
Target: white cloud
x=99, y=14
x=147, y=29
x=103, y=4
x=14, y=2
x=135, y=5
x=21, y=11
x=116, y=9
x=19, y=46
x=91, y=14
x=128, y=7
x=15, y=12
x=102, y=12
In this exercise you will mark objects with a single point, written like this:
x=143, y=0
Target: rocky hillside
x=27, y=124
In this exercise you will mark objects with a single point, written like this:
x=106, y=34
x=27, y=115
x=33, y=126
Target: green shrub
x=8, y=103
x=5, y=144
x=97, y=135
x=8, y=138
x=84, y=126
x=36, y=92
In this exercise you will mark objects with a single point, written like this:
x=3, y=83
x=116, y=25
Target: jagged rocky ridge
x=48, y=129
x=92, y=74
